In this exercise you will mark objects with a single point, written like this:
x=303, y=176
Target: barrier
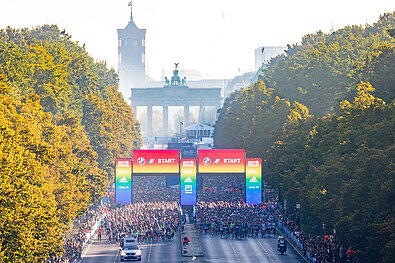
x=291, y=236
x=89, y=235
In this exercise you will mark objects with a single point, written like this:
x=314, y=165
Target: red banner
x=155, y=161
x=221, y=161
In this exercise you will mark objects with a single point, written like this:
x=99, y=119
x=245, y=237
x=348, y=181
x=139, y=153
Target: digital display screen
x=221, y=161
x=123, y=181
x=188, y=181
x=253, y=181
x=156, y=161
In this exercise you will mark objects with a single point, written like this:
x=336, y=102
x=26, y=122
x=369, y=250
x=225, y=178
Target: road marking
x=116, y=257
x=149, y=252
x=241, y=249
x=87, y=248
x=234, y=251
x=264, y=249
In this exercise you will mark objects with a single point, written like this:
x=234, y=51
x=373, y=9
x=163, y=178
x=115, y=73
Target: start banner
x=123, y=181
x=188, y=181
x=221, y=161
x=156, y=161
x=253, y=181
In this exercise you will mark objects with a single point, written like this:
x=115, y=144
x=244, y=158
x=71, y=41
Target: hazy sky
x=214, y=36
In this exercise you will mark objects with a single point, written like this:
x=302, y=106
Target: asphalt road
x=216, y=250
x=99, y=252
x=263, y=250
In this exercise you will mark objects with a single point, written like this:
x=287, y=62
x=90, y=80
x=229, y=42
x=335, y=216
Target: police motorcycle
x=281, y=245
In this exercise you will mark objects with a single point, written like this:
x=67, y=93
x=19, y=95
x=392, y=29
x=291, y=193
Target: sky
x=216, y=37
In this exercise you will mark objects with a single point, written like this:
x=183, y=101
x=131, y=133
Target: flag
x=130, y=3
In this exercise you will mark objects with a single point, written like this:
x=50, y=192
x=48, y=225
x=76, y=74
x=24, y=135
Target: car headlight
x=123, y=254
x=138, y=253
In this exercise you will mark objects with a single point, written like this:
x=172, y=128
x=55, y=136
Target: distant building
x=131, y=57
x=265, y=54
x=199, y=131
x=238, y=82
x=174, y=92
x=191, y=74
x=195, y=83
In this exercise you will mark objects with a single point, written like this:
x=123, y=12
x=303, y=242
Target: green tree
x=320, y=72
x=108, y=120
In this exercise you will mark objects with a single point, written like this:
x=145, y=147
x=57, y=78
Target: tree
x=108, y=120
x=320, y=72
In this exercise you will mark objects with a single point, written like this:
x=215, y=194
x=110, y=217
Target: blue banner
x=254, y=181
x=123, y=181
x=188, y=181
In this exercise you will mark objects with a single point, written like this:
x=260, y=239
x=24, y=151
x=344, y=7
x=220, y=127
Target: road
x=99, y=252
x=218, y=250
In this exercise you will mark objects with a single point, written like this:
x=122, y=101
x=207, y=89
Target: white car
x=130, y=251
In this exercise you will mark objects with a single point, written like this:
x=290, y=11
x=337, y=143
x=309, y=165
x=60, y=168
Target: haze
x=217, y=38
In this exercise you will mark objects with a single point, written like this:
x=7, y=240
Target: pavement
x=194, y=248
x=294, y=246
x=156, y=252
x=215, y=249
x=251, y=250
x=201, y=249
x=103, y=251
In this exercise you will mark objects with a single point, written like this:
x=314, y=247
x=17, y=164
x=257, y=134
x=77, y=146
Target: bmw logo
x=206, y=160
x=141, y=161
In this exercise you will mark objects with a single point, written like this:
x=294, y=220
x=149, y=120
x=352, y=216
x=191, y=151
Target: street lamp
x=181, y=123
x=323, y=232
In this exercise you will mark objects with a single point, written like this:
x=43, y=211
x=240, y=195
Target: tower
x=131, y=57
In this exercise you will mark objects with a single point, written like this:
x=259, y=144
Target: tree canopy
x=322, y=119
x=62, y=124
x=324, y=69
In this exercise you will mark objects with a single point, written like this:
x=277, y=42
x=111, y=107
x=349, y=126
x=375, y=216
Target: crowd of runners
x=148, y=222
x=153, y=189
x=222, y=188
x=155, y=216
x=236, y=220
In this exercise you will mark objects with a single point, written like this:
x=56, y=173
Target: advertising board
x=123, y=181
x=221, y=161
x=253, y=181
x=188, y=181
x=156, y=161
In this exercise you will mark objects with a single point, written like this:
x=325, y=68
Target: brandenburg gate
x=174, y=93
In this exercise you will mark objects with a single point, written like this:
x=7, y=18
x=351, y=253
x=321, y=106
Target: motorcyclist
x=281, y=244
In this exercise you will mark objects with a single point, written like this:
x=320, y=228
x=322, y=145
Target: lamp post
x=323, y=232
x=298, y=214
x=181, y=123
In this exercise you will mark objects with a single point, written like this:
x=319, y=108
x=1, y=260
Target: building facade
x=264, y=54
x=131, y=57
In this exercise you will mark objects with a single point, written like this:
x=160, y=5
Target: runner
x=99, y=233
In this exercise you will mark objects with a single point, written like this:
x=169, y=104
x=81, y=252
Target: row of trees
x=62, y=124
x=325, y=68
x=336, y=160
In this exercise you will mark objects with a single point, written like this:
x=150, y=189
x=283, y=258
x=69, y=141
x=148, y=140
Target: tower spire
x=131, y=10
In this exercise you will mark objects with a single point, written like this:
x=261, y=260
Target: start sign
x=221, y=161
x=155, y=161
